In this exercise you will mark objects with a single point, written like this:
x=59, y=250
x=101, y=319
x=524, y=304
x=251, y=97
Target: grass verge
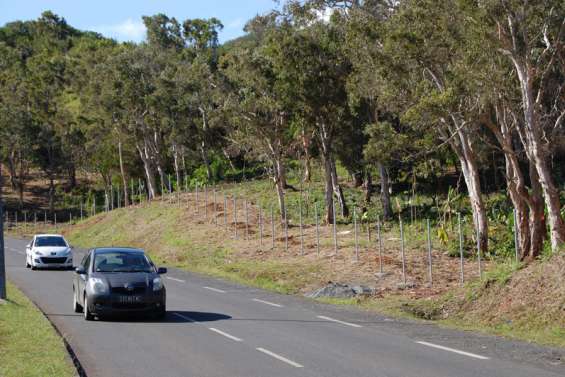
x=29, y=345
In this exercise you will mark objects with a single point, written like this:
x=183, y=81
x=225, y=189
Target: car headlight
x=157, y=284
x=38, y=253
x=97, y=285
x=67, y=252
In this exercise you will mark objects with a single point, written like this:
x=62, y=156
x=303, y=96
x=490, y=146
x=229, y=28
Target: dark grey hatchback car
x=118, y=280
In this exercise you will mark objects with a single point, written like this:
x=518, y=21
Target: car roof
x=103, y=250
x=49, y=235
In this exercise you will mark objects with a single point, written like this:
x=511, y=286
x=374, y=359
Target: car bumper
x=115, y=304
x=43, y=263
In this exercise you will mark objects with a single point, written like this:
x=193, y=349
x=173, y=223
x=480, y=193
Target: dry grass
x=170, y=227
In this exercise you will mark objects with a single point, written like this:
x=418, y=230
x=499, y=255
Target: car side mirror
x=80, y=270
x=28, y=246
x=162, y=270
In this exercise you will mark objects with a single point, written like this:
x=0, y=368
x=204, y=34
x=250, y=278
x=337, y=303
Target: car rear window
x=50, y=242
x=121, y=262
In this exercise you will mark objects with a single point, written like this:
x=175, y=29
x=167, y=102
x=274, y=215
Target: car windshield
x=121, y=262
x=50, y=242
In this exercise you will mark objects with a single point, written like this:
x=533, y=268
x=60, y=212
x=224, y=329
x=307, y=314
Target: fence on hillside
x=412, y=254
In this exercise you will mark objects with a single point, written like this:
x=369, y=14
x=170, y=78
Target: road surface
x=217, y=328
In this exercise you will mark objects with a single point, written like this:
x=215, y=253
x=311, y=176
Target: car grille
x=119, y=305
x=126, y=291
x=53, y=260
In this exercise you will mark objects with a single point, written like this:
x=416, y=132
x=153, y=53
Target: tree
x=532, y=37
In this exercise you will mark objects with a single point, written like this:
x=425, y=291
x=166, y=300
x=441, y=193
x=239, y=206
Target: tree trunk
x=552, y=202
x=473, y=182
x=538, y=228
x=149, y=172
x=12, y=169
x=280, y=192
x=123, y=173
x=204, y=144
x=204, y=154
x=329, y=190
x=338, y=190
x=51, y=194
x=357, y=179
x=368, y=187
x=21, y=179
x=177, y=167
x=532, y=135
x=72, y=172
x=307, y=177
x=385, y=193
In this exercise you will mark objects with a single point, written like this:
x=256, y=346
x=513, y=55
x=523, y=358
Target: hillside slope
x=527, y=303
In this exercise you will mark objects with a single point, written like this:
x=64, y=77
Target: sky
x=121, y=19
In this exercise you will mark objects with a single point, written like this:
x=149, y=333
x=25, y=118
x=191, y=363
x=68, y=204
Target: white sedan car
x=49, y=251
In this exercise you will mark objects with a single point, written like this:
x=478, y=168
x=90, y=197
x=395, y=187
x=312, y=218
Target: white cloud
x=127, y=30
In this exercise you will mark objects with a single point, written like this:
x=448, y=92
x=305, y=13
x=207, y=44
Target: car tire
x=160, y=313
x=77, y=308
x=27, y=264
x=87, y=315
x=33, y=267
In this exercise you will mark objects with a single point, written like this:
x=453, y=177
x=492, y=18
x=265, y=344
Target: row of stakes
x=110, y=204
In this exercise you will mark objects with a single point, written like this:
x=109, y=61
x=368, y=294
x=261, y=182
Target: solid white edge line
x=453, y=350
x=184, y=317
x=267, y=303
x=226, y=334
x=214, y=289
x=175, y=279
x=338, y=321
x=279, y=357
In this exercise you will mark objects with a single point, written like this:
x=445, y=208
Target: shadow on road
x=176, y=316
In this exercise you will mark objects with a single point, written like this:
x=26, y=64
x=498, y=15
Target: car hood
x=121, y=279
x=47, y=250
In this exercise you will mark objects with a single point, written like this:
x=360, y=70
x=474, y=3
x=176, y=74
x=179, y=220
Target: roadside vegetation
x=507, y=301
x=29, y=345
x=381, y=113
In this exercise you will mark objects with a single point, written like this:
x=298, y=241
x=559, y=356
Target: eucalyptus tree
x=314, y=70
x=259, y=100
x=531, y=35
x=15, y=119
x=425, y=69
x=201, y=40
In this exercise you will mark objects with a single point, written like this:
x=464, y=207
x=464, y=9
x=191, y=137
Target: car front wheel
x=87, y=315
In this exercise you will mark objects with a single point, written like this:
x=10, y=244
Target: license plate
x=129, y=299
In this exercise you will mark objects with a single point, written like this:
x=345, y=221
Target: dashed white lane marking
x=279, y=357
x=267, y=303
x=214, y=289
x=453, y=350
x=21, y=252
x=338, y=321
x=184, y=317
x=225, y=334
x=174, y=279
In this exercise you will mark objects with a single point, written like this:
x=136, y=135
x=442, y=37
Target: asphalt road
x=216, y=328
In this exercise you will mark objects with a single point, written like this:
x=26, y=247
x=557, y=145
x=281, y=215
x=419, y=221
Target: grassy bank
x=29, y=345
x=508, y=301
